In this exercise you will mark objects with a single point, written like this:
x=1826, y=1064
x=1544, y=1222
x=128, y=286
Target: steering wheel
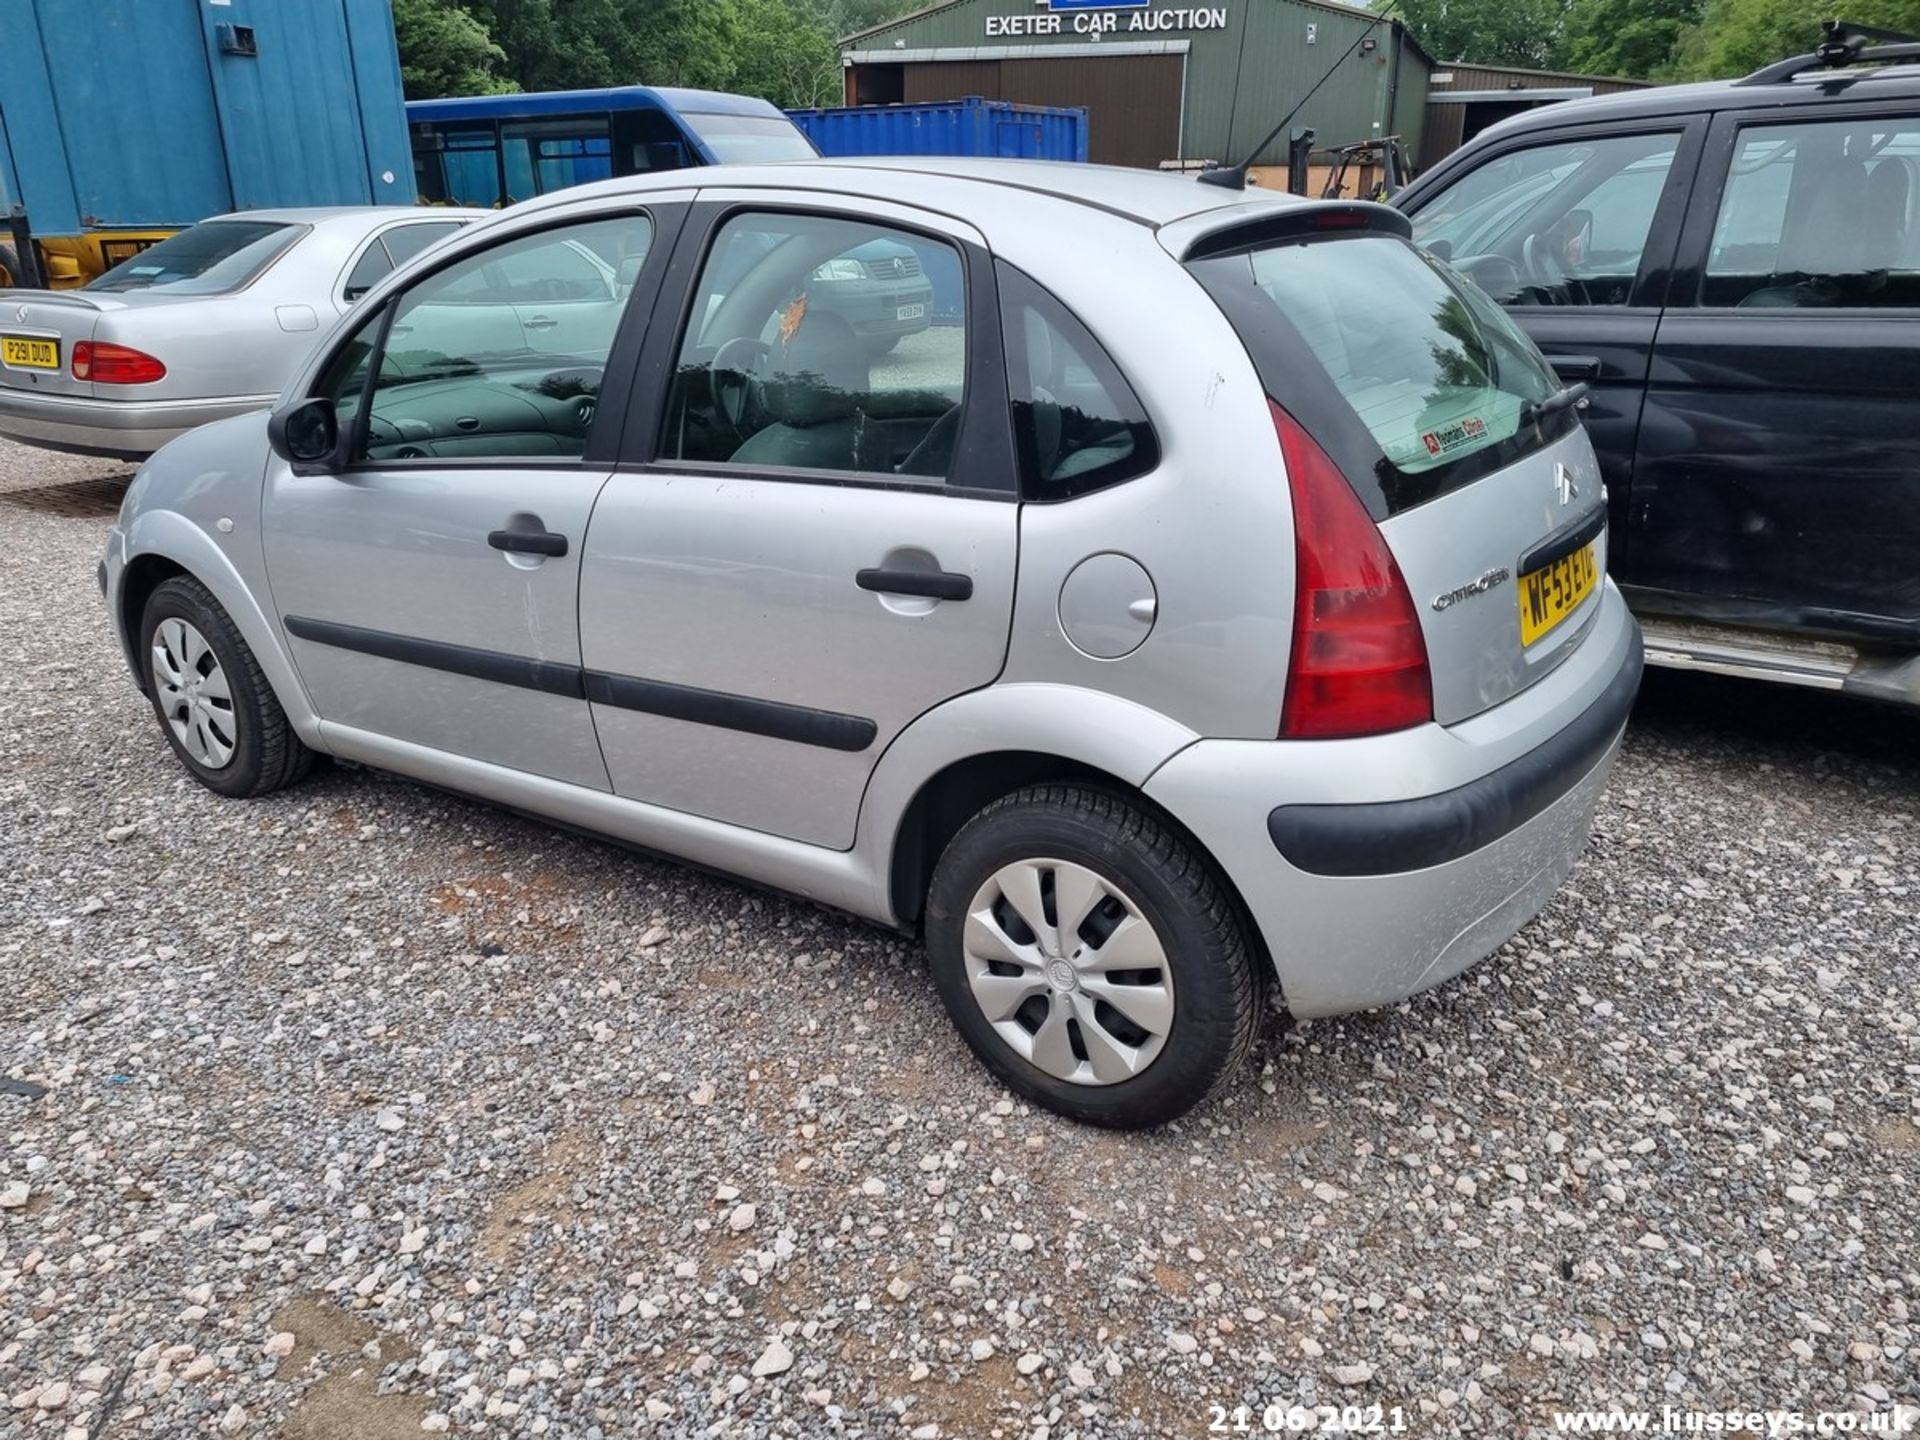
x=732, y=375
x=1548, y=275
x=581, y=409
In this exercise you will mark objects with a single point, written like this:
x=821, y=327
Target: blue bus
x=491, y=150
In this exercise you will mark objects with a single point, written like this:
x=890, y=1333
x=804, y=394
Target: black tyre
x=1091, y=957
x=10, y=272
x=215, y=707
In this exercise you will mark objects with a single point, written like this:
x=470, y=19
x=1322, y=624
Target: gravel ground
x=369, y=1111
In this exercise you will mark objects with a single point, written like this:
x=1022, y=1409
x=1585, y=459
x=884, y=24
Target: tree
x=1489, y=32
x=1736, y=37
x=1632, y=38
x=446, y=51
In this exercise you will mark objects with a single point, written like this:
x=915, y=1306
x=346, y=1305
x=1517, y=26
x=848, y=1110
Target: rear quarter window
x=1412, y=379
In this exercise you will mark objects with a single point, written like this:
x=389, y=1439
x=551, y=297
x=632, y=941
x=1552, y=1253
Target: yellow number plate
x=1553, y=592
x=30, y=354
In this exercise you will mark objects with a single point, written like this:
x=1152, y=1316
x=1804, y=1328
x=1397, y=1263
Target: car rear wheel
x=1090, y=957
x=215, y=707
x=10, y=272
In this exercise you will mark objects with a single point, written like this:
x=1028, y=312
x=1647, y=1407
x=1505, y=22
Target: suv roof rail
x=1844, y=44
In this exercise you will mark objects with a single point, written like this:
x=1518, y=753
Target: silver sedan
x=209, y=323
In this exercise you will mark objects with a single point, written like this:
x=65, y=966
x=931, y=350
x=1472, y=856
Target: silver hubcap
x=194, y=695
x=1068, y=971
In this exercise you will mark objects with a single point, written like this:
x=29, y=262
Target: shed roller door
x=1133, y=101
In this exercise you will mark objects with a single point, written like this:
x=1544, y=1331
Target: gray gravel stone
x=1711, y=1039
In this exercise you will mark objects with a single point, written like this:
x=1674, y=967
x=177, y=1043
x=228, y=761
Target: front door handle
x=1575, y=367
x=934, y=584
x=528, y=542
x=541, y=322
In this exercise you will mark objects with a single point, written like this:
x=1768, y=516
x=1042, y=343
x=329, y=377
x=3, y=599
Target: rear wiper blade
x=1570, y=397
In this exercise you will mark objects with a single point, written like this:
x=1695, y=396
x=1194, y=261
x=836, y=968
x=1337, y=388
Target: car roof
x=342, y=214
x=958, y=186
x=1893, y=82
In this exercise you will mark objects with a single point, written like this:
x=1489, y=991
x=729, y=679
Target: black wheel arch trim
x=825, y=729
x=1395, y=836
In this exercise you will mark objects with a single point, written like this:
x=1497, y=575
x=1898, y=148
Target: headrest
x=816, y=373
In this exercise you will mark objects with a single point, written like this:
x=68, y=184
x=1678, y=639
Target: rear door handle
x=541, y=322
x=1575, y=367
x=934, y=584
x=528, y=542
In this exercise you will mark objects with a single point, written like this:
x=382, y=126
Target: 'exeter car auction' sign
x=1103, y=17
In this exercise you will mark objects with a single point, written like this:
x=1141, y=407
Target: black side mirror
x=307, y=433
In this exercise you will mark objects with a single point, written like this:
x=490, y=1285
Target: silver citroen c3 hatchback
x=1211, y=599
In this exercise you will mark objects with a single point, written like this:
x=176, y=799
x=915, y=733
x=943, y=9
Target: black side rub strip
x=1564, y=541
x=1396, y=836
x=516, y=670
x=825, y=729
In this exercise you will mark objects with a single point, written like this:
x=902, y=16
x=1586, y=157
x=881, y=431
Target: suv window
x=811, y=345
x=466, y=372
x=1819, y=215
x=1076, y=421
x=1562, y=224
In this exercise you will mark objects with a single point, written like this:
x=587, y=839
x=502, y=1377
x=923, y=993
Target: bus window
x=645, y=140
x=554, y=153
x=470, y=163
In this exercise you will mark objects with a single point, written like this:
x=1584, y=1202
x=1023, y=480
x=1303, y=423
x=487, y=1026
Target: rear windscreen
x=206, y=259
x=1367, y=329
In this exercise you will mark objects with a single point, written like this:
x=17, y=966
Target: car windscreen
x=1438, y=379
x=750, y=139
x=210, y=258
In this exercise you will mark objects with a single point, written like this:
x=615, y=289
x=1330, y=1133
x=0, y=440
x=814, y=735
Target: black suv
x=1734, y=268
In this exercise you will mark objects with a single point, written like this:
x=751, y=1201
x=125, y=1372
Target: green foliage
x=1634, y=38
x=1490, y=32
x=1736, y=37
x=780, y=49
x=446, y=51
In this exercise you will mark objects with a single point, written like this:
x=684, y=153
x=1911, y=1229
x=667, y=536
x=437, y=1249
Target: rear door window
x=1077, y=423
x=1819, y=216
x=1409, y=375
x=812, y=344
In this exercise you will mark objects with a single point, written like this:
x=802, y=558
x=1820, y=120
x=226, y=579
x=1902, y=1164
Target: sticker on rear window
x=1464, y=432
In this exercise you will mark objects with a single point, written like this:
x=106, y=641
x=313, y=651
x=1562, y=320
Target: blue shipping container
x=135, y=114
x=973, y=126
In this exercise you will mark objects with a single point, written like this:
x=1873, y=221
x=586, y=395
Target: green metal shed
x=1166, y=84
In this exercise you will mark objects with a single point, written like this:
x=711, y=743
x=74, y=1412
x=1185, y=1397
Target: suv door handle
x=934, y=584
x=1575, y=367
x=528, y=542
x=540, y=322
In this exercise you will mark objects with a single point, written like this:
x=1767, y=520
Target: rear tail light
x=1359, y=664
x=107, y=364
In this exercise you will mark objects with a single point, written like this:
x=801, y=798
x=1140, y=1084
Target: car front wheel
x=1090, y=957
x=215, y=707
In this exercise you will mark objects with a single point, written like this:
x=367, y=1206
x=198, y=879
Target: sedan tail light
x=1359, y=663
x=107, y=364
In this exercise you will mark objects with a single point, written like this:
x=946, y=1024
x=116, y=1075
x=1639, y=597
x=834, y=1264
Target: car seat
x=813, y=386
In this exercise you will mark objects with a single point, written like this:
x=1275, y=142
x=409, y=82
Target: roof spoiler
x=1201, y=238
x=1844, y=44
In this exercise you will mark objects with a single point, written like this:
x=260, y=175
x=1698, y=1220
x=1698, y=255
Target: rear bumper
x=129, y=429
x=1398, y=835
x=1394, y=863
